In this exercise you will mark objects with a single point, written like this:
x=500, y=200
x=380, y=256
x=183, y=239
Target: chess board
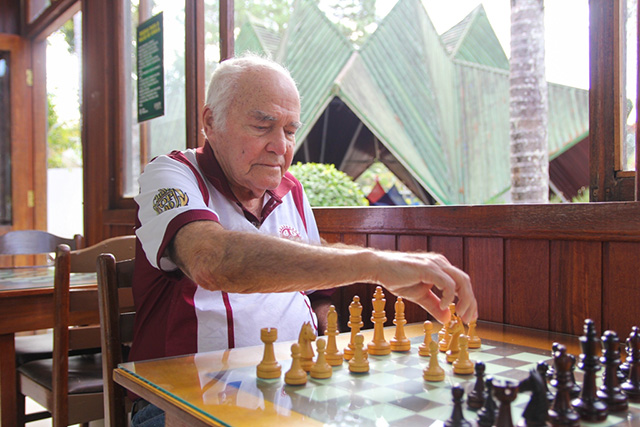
x=392, y=393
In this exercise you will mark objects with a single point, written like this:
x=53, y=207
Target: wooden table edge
x=176, y=412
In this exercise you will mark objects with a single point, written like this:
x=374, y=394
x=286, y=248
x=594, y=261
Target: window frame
x=608, y=182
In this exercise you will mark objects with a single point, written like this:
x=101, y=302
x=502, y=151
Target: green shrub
x=327, y=186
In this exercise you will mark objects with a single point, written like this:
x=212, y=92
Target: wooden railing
x=541, y=266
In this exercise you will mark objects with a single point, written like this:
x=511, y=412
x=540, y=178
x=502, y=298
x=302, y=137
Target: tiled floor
x=34, y=407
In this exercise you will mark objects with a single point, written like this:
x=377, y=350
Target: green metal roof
x=439, y=104
x=256, y=38
x=473, y=40
x=315, y=52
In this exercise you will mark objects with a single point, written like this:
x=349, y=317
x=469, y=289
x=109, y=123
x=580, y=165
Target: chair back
x=34, y=242
x=117, y=312
x=74, y=396
x=76, y=317
x=84, y=260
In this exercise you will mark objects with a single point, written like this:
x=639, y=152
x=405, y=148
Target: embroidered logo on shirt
x=289, y=232
x=169, y=198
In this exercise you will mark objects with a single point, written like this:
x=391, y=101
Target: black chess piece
x=551, y=372
x=561, y=412
x=536, y=412
x=487, y=414
x=623, y=369
x=543, y=367
x=589, y=405
x=575, y=389
x=476, y=397
x=457, y=418
x=610, y=391
x=506, y=392
x=631, y=387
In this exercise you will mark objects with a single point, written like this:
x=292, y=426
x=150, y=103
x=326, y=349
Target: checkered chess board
x=394, y=393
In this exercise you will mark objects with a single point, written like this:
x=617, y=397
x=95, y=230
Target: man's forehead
x=268, y=117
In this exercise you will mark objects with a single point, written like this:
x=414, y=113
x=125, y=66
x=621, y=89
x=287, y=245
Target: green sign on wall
x=150, y=69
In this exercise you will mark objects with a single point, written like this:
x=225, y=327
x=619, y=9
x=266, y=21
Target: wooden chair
x=117, y=313
x=35, y=242
x=75, y=345
x=34, y=347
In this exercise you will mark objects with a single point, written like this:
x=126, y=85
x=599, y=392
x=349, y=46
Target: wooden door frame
x=28, y=182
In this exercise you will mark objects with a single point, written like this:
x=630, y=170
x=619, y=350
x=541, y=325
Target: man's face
x=255, y=148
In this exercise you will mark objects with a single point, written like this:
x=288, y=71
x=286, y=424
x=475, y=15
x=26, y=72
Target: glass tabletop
x=223, y=385
x=18, y=278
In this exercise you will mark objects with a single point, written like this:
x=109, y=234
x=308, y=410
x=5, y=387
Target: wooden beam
x=194, y=71
x=51, y=19
x=227, y=47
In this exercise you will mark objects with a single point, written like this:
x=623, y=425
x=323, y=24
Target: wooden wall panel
x=450, y=247
x=575, y=285
x=484, y=263
x=383, y=242
x=621, y=287
x=551, y=267
x=344, y=295
x=332, y=237
x=413, y=243
x=526, y=300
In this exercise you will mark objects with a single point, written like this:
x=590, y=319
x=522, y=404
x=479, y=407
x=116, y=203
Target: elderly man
x=227, y=240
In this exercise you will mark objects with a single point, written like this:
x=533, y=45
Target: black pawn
x=551, y=372
x=476, y=397
x=575, y=389
x=610, y=391
x=589, y=405
x=535, y=414
x=457, y=418
x=623, y=370
x=543, y=367
x=631, y=387
x=506, y=392
x=561, y=413
x=487, y=414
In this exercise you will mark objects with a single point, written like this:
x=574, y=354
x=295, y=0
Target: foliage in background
x=581, y=197
x=327, y=186
x=64, y=144
x=356, y=19
x=273, y=14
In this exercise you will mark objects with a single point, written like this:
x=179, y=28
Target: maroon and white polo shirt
x=174, y=315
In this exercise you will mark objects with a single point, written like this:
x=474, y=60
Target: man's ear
x=207, y=120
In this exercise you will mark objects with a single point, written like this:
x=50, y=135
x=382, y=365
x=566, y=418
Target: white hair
x=223, y=84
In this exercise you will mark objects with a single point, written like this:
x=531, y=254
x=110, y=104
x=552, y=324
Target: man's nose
x=278, y=143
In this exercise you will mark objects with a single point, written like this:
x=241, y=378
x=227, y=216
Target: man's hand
x=414, y=275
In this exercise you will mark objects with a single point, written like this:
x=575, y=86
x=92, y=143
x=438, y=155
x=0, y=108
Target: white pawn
x=295, y=375
x=423, y=349
x=359, y=362
x=321, y=369
x=433, y=372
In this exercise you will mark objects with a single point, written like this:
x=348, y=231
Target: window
x=163, y=134
x=5, y=141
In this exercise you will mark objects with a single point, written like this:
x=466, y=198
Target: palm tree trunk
x=528, y=104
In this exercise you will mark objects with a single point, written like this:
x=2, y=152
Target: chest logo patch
x=169, y=198
x=289, y=232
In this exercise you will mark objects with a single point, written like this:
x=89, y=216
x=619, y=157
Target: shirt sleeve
x=169, y=198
